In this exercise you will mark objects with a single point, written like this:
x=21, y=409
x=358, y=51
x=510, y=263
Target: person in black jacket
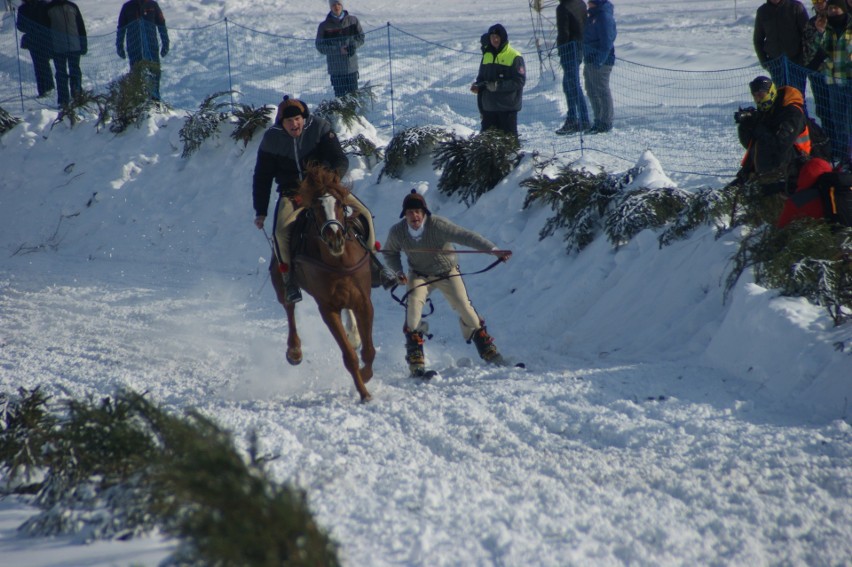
x=33, y=22
x=339, y=36
x=775, y=135
x=68, y=44
x=139, y=23
x=570, y=22
x=295, y=140
x=501, y=79
x=779, y=29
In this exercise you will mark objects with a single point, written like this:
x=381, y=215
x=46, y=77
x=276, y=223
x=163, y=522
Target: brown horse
x=334, y=268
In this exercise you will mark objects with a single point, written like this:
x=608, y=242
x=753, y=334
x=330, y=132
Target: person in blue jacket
x=139, y=23
x=598, y=60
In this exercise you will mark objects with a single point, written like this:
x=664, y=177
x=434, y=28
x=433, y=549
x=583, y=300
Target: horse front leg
x=294, y=343
x=364, y=319
x=350, y=358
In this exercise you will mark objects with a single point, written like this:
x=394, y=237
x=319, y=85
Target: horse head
x=323, y=194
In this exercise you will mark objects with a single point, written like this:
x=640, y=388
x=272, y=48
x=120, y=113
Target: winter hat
x=839, y=3
x=499, y=30
x=331, y=3
x=291, y=107
x=414, y=200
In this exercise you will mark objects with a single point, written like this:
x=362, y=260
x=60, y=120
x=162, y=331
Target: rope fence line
x=683, y=116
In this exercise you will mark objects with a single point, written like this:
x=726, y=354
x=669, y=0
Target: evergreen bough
x=119, y=467
x=470, y=167
x=348, y=108
x=406, y=148
x=7, y=121
x=579, y=200
x=203, y=124
x=249, y=119
x=129, y=99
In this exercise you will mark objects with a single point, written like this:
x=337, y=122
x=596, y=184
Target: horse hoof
x=366, y=374
x=367, y=398
x=294, y=358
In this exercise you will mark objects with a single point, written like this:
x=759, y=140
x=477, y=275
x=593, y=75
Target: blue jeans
x=570, y=56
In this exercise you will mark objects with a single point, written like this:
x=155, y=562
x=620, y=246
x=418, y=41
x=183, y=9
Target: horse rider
x=288, y=146
x=421, y=230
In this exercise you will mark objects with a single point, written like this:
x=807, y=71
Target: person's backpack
x=836, y=192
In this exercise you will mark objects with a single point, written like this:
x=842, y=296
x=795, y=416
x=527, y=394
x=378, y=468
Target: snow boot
x=569, y=127
x=414, y=353
x=485, y=346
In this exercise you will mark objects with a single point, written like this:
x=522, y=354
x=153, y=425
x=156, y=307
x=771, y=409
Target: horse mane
x=320, y=180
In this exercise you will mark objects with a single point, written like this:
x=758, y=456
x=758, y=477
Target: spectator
x=834, y=33
x=774, y=134
x=68, y=44
x=813, y=55
x=779, y=29
x=501, y=79
x=295, y=140
x=806, y=201
x=139, y=22
x=33, y=22
x=338, y=38
x=428, y=271
x=598, y=60
x=570, y=22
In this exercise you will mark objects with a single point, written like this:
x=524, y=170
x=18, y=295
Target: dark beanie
x=499, y=30
x=839, y=3
x=289, y=108
x=414, y=200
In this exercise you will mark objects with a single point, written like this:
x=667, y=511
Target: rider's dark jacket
x=283, y=158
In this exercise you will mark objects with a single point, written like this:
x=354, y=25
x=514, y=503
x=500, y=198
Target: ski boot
x=414, y=353
x=485, y=346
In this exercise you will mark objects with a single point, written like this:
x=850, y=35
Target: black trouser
x=43, y=74
x=505, y=120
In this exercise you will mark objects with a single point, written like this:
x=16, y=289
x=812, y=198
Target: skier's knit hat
x=414, y=200
x=331, y=3
x=839, y=3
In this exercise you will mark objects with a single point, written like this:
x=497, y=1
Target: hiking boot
x=485, y=346
x=292, y=292
x=414, y=353
x=599, y=129
x=570, y=127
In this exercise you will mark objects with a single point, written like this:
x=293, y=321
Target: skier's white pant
x=455, y=293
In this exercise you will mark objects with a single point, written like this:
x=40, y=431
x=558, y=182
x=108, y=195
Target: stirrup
x=292, y=294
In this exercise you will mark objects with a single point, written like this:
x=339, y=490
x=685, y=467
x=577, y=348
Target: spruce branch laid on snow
x=203, y=124
x=408, y=146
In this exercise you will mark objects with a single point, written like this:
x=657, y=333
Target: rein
x=402, y=300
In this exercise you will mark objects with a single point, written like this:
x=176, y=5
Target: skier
x=421, y=230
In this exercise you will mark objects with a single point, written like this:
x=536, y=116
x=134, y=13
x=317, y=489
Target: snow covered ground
x=654, y=425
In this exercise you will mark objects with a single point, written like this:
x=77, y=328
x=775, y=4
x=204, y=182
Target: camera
x=744, y=114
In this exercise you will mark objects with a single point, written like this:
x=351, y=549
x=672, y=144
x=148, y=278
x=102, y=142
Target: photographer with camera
x=775, y=135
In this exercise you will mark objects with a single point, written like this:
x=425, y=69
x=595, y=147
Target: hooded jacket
x=283, y=158
x=332, y=34
x=779, y=30
x=504, y=70
x=599, y=35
